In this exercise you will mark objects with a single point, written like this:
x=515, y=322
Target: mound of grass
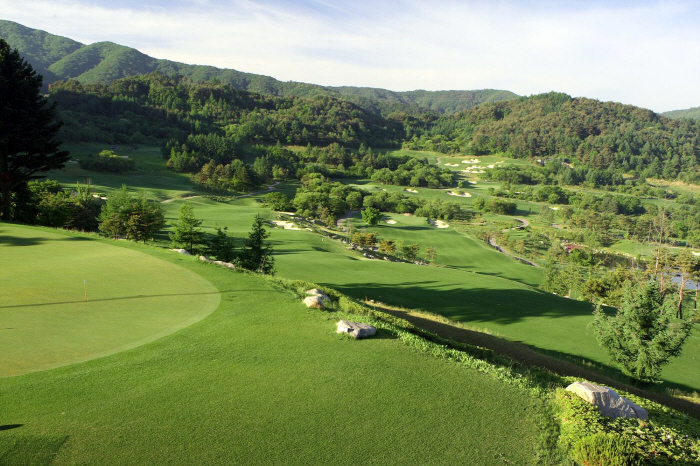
x=133, y=298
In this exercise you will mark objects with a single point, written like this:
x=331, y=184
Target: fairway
x=133, y=298
x=263, y=380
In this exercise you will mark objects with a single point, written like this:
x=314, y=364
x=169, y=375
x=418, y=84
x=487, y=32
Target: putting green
x=133, y=298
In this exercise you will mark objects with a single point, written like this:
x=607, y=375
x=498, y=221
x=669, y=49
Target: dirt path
x=529, y=357
x=341, y=221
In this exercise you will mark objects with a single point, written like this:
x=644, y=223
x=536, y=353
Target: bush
x=603, y=449
x=107, y=161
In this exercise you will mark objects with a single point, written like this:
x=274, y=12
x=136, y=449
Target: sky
x=641, y=53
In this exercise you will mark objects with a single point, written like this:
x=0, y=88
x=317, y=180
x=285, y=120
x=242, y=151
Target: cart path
x=531, y=358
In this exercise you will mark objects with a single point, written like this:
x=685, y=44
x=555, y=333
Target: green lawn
x=262, y=380
x=151, y=174
x=132, y=298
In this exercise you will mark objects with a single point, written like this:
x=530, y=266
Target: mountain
x=693, y=113
x=60, y=58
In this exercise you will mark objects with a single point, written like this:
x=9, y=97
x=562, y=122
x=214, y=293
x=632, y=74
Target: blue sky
x=639, y=53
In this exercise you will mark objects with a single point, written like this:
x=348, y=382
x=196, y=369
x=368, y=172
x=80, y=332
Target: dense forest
x=584, y=133
x=153, y=107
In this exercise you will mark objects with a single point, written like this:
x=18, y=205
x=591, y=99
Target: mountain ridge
x=60, y=58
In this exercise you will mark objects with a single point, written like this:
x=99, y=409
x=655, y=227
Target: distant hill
x=693, y=113
x=60, y=58
x=602, y=139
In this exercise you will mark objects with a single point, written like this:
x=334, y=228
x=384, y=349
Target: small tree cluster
x=107, y=161
x=137, y=219
x=257, y=255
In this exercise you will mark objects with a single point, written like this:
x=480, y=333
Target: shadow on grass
x=564, y=364
x=10, y=426
x=25, y=241
x=142, y=296
x=462, y=303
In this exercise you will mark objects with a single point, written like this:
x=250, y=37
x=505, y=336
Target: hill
x=57, y=57
x=693, y=113
x=601, y=139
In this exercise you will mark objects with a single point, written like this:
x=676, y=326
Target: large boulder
x=607, y=400
x=356, y=329
x=315, y=302
x=319, y=293
x=181, y=251
x=205, y=259
x=225, y=264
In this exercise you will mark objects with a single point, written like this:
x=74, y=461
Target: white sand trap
x=411, y=190
x=407, y=214
x=696, y=253
x=470, y=181
x=471, y=161
x=439, y=223
x=459, y=195
x=490, y=166
x=391, y=222
x=286, y=225
x=451, y=164
x=554, y=208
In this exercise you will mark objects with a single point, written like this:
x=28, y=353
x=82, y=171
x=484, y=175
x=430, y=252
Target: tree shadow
x=10, y=426
x=474, y=305
x=142, y=296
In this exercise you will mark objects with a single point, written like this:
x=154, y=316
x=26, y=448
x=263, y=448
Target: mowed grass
x=488, y=291
x=132, y=298
x=151, y=174
x=263, y=380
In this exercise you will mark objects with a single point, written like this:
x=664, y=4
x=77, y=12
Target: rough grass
x=265, y=381
x=132, y=298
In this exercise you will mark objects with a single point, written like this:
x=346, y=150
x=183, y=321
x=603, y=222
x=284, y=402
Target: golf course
x=235, y=386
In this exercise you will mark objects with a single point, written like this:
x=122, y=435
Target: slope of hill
x=57, y=57
x=595, y=136
x=693, y=113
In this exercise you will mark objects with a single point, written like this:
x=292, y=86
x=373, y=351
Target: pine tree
x=27, y=128
x=257, y=255
x=187, y=231
x=642, y=338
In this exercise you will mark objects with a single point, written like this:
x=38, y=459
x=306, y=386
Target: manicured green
x=133, y=298
x=263, y=380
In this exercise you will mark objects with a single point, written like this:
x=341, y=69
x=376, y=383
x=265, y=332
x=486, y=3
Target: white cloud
x=642, y=55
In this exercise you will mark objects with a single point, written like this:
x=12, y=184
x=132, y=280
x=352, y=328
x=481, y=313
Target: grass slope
x=264, y=381
x=133, y=298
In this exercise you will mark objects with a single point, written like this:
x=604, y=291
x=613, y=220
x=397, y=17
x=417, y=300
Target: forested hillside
x=153, y=107
x=693, y=113
x=57, y=57
x=584, y=133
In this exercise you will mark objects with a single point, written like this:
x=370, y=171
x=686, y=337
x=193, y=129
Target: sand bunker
x=286, y=225
x=458, y=194
x=411, y=190
x=438, y=223
x=471, y=161
x=696, y=253
x=391, y=222
x=451, y=164
x=490, y=166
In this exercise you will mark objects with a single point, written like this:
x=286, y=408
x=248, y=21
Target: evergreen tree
x=187, y=232
x=642, y=338
x=27, y=128
x=221, y=245
x=257, y=255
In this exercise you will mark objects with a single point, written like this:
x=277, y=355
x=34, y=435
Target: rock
x=225, y=264
x=205, y=259
x=182, y=251
x=356, y=329
x=319, y=293
x=607, y=400
x=315, y=302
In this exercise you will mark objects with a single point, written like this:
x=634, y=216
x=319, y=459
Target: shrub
x=603, y=449
x=107, y=161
